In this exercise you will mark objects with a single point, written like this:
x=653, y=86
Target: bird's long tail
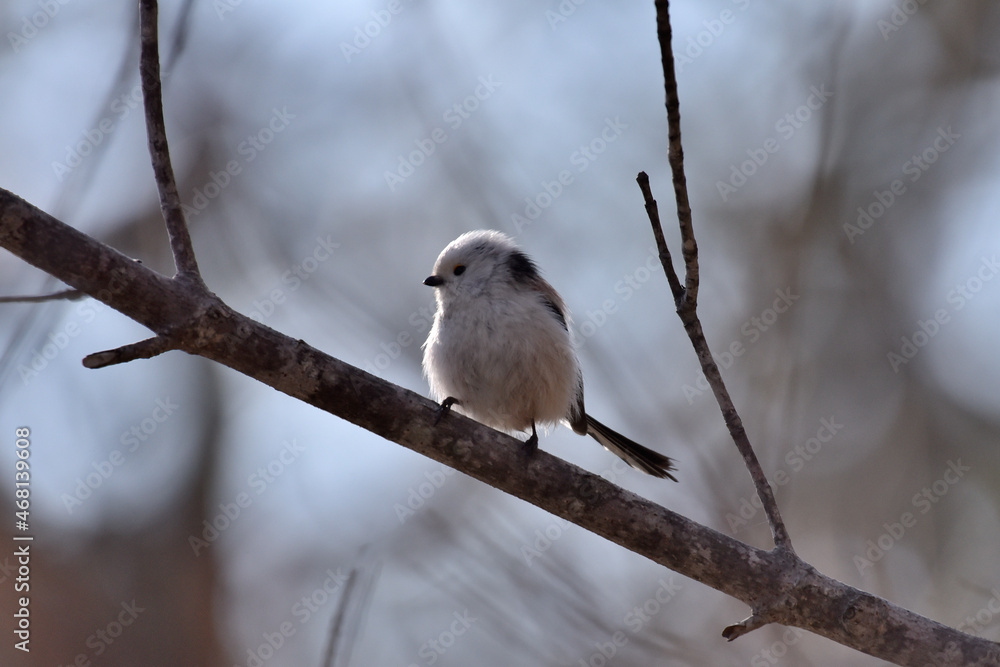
x=634, y=454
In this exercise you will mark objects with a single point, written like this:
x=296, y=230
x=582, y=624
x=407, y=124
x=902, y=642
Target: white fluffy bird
x=500, y=347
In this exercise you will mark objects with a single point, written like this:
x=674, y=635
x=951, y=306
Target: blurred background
x=842, y=159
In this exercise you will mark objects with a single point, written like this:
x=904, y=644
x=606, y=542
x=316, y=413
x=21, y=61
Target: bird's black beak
x=433, y=281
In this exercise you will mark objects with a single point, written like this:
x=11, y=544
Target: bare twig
x=350, y=612
x=653, y=211
x=675, y=152
x=686, y=300
x=687, y=310
x=152, y=94
x=144, y=349
x=339, y=617
x=68, y=295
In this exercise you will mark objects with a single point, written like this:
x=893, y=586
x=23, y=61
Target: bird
x=499, y=349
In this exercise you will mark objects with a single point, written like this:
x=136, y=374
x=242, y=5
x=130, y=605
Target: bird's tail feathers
x=634, y=454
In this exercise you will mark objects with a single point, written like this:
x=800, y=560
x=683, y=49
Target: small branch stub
x=745, y=626
x=144, y=349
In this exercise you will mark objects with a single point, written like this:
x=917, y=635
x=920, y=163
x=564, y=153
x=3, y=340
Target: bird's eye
x=459, y=269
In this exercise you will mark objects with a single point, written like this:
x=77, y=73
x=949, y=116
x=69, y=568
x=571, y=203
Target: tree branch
x=67, y=294
x=675, y=152
x=653, y=211
x=686, y=299
x=152, y=97
x=144, y=349
x=791, y=591
x=688, y=312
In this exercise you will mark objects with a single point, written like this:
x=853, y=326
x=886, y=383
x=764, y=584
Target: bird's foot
x=531, y=444
x=446, y=408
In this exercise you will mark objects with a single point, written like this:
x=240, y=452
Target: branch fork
x=686, y=302
x=181, y=246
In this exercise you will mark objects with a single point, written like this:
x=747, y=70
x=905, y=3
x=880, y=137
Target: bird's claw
x=531, y=444
x=445, y=408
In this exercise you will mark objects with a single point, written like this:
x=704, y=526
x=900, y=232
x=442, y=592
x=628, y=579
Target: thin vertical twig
x=686, y=298
x=675, y=152
x=349, y=614
x=170, y=201
x=653, y=211
x=152, y=95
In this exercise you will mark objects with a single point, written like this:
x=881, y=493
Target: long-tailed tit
x=500, y=347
